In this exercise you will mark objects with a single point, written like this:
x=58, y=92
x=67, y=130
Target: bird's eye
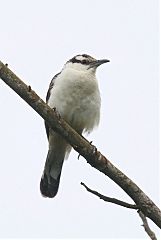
x=84, y=61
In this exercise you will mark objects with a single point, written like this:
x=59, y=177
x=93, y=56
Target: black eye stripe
x=85, y=61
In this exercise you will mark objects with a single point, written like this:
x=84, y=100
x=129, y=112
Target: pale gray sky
x=37, y=38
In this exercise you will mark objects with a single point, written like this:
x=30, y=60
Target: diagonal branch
x=109, y=199
x=81, y=145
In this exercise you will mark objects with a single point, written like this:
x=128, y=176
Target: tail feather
x=49, y=183
x=49, y=189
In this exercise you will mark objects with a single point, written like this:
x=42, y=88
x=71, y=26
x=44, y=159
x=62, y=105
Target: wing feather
x=47, y=99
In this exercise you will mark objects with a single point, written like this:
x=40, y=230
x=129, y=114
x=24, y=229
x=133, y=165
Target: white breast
x=76, y=96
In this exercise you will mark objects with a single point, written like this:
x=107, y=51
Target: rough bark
x=81, y=145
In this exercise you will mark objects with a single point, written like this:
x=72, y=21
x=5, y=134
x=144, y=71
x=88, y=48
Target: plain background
x=37, y=38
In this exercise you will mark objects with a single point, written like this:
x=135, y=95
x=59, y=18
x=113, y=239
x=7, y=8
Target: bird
x=74, y=93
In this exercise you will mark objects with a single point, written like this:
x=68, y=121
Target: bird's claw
x=57, y=113
x=94, y=151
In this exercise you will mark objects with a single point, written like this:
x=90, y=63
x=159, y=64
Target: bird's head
x=84, y=63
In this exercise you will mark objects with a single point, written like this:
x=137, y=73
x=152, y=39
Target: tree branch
x=81, y=145
x=109, y=199
x=147, y=229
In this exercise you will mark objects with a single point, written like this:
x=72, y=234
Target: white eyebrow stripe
x=80, y=58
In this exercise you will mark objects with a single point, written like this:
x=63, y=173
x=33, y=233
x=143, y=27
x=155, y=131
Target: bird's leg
x=94, y=148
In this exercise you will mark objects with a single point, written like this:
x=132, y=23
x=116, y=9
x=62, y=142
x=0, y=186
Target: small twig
x=127, y=205
x=109, y=199
x=150, y=233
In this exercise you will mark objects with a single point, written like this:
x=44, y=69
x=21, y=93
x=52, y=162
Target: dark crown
x=82, y=58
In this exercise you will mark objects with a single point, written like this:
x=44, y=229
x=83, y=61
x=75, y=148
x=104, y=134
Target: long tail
x=51, y=176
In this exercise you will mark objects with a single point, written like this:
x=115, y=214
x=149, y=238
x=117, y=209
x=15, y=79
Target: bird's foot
x=57, y=113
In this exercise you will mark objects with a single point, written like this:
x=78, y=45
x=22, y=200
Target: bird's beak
x=97, y=63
